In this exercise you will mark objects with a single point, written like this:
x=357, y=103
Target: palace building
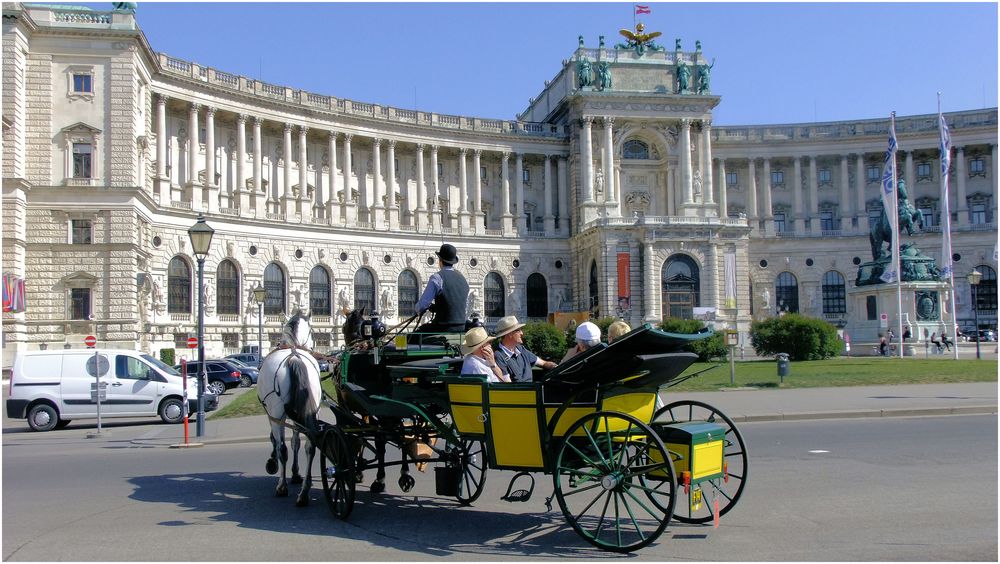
x=613, y=192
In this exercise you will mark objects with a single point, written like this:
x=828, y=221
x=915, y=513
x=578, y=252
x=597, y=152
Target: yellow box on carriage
x=467, y=409
x=698, y=446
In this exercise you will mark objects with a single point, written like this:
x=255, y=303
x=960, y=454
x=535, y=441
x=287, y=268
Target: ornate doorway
x=681, y=287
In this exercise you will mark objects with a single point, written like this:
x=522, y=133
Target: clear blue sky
x=776, y=63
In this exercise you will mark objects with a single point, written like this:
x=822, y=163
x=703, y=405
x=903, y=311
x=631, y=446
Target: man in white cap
x=446, y=294
x=512, y=357
x=479, y=358
x=588, y=335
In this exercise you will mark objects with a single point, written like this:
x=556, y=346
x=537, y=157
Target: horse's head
x=352, y=325
x=297, y=331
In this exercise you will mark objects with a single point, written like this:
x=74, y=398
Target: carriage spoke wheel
x=604, y=473
x=728, y=491
x=472, y=460
x=336, y=464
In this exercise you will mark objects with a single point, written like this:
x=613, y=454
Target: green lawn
x=868, y=371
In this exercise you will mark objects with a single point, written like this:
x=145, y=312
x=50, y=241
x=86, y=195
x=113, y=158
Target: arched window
x=786, y=293
x=409, y=293
x=227, y=288
x=178, y=286
x=834, y=293
x=538, y=297
x=986, y=293
x=594, y=297
x=681, y=281
x=493, y=295
x=274, y=283
x=364, y=290
x=635, y=149
x=319, y=291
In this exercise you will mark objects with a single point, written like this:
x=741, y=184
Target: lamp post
x=259, y=294
x=201, y=239
x=974, y=277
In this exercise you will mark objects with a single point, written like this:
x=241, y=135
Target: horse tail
x=298, y=404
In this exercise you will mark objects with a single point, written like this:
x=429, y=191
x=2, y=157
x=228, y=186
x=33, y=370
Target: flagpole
x=895, y=242
x=946, y=252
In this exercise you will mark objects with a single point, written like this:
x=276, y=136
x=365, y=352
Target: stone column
x=562, y=195
x=685, y=154
x=421, y=211
x=332, y=204
x=210, y=182
x=993, y=175
x=752, y=213
x=845, y=196
x=586, y=162
x=463, y=190
x=391, y=190
x=549, y=220
x=616, y=209
x=507, y=220
x=304, y=199
x=194, y=131
x=378, y=209
x=766, y=200
x=909, y=173
x=800, y=221
x=723, y=187
x=241, y=158
x=707, y=182
x=712, y=280
x=961, y=204
x=522, y=224
x=650, y=285
x=350, y=206
x=261, y=196
x=814, y=224
x=477, y=188
x=435, y=192
x=608, y=162
x=860, y=183
x=162, y=142
x=287, y=198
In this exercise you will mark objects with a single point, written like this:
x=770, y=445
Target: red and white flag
x=640, y=9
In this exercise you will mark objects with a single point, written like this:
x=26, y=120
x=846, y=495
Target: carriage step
x=521, y=495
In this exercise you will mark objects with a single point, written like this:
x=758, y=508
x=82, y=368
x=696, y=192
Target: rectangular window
x=230, y=340
x=871, y=305
x=874, y=216
x=927, y=215
x=826, y=221
x=526, y=175
x=924, y=170
x=440, y=170
x=874, y=174
x=977, y=215
x=82, y=156
x=274, y=339
x=83, y=84
x=396, y=165
x=777, y=177
x=732, y=179
x=321, y=341
x=977, y=167
x=79, y=303
x=202, y=135
x=82, y=232
x=482, y=172
x=825, y=176
x=180, y=340
x=779, y=222
x=130, y=368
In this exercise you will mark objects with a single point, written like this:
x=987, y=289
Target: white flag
x=889, y=203
x=947, y=266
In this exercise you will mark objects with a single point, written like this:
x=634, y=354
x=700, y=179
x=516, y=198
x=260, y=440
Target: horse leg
x=272, y=462
x=378, y=486
x=303, y=499
x=296, y=442
x=278, y=440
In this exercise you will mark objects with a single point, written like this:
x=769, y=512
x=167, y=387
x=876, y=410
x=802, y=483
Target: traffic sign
x=192, y=342
x=90, y=341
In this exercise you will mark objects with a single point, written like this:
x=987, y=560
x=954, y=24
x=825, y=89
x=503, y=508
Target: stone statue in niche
x=343, y=300
x=765, y=298
x=705, y=77
x=473, y=303
x=683, y=77
x=599, y=182
x=604, y=75
x=697, y=183
x=157, y=292
x=584, y=73
x=385, y=302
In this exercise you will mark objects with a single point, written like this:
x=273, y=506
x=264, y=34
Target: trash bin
x=784, y=366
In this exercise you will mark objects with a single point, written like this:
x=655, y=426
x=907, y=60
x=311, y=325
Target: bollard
x=784, y=366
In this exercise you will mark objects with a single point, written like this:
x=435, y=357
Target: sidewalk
x=752, y=405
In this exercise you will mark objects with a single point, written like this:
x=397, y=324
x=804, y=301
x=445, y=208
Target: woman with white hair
x=588, y=335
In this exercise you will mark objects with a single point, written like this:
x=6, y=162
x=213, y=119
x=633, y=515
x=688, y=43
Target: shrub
x=706, y=349
x=803, y=338
x=167, y=356
x=545, y=340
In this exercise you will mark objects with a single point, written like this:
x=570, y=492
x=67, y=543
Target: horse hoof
x=281, y=492
x=377, y=487
x=271, y=467
x=302, y=501
x=406, y=482
x=296, y=479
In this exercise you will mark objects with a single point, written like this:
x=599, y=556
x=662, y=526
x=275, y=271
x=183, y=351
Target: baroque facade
x=612, y=192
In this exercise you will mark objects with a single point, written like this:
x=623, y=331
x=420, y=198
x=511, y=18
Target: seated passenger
x=512, y=357
x=617, y=329
x=587, y=335
x=479, y=357
x=446, y=294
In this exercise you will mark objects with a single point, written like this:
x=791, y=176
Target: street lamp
x=259, y=294
x=974, y=277
x=201, y=239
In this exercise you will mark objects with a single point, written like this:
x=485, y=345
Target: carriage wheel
x=734, y=455
x=336, y=464
x=472, y=460
x=600, y=475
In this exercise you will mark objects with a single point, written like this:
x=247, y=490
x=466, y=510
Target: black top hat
x=448, y=254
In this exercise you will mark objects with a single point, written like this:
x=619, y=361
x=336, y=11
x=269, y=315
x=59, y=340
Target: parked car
x=985, y=335
x=221, y=375
x=249, y=358
x=248, y=374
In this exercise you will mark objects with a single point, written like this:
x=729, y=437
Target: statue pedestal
x=923, y=310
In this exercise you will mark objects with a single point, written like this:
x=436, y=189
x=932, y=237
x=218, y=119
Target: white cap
x=588, y=331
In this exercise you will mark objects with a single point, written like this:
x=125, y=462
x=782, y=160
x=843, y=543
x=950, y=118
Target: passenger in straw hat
x=512, y=357
x=479, y=358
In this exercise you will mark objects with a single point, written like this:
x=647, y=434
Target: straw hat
x=474, y=338
x=508, y=324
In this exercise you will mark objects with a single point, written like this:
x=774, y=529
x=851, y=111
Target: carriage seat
x=428, y=367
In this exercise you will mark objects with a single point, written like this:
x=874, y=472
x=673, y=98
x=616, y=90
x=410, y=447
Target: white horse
x=289, y=388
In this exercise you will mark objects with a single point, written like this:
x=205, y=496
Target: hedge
x=801, y=337
x=546, y=341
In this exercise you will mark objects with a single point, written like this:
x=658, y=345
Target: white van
x=52, y=388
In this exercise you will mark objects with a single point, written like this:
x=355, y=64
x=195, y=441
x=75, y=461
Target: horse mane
x=289, y=330
x=351, y=328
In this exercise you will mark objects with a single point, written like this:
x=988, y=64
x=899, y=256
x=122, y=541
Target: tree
x=801, y=337
x=545, y=340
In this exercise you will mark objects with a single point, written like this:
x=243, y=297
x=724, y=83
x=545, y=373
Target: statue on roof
x=125, y=6
x=639, y=40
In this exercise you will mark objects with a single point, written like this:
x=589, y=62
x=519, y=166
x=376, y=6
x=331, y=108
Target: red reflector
x=725, y=472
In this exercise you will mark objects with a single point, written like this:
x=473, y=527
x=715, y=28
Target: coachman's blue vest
x=450, y=304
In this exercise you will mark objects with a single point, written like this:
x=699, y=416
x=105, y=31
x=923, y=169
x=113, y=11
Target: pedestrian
x=588, y=335
x=907, y=334
x=883, y=347
x=891, y=336
x=511, y=356
x=479, y=356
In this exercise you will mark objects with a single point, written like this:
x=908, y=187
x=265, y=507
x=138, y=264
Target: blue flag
x=890, y=274
x=947, y=267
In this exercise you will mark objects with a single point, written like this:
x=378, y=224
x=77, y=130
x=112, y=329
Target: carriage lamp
x=374, y=328
x=201, y=240
x=725, y=472
x=686, y=479
x=259, y=295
